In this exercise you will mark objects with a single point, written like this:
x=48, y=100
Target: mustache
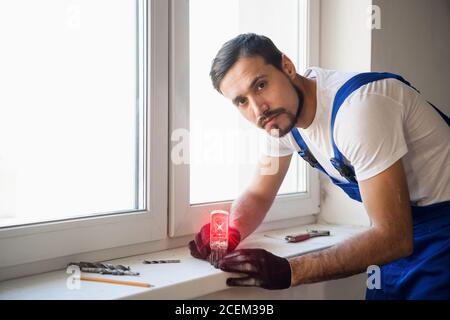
x=261, y=120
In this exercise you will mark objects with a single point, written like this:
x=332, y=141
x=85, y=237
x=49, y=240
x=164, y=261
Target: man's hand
x=200, y=248
x=261, y=268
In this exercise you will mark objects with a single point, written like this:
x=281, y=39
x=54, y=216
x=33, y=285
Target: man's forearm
x=247, y=213
x=350, y=257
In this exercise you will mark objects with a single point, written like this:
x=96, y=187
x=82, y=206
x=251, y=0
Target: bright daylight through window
x=224, y=147
x=70, y=109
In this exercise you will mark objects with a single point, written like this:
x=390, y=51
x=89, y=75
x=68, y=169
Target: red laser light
x=218, y=235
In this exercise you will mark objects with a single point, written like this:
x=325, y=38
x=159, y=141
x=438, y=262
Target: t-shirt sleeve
x=276, y=147
x=369, y=133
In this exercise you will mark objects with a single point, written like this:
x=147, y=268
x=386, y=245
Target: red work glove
x=261, y=268
x=200, y=248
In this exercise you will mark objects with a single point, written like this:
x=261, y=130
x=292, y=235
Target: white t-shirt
x=377, y=125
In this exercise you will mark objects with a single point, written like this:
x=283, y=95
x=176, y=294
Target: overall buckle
x=308, y=157
x=343, y=169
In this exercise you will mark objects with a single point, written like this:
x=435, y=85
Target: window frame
x=56, y=243
x=90, y=234
x=185, y=218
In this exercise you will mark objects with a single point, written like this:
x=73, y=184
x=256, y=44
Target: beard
x=276, y=130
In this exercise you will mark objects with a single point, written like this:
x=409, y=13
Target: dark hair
x=244, y=45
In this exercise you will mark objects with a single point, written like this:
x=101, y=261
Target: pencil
x=128, y=283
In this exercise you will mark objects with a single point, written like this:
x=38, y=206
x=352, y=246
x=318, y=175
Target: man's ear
x=288, y=67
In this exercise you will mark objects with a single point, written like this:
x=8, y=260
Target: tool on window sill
x=128, y=283
x=308, y=235
x=161, y=261
x=104, y=268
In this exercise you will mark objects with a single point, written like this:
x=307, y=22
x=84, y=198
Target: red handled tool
x=305, y=236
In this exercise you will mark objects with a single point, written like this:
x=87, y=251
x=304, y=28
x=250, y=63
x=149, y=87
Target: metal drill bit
x=161, y=261
x=104, y=268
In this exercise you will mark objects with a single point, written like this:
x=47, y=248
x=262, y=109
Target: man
x=389, y=148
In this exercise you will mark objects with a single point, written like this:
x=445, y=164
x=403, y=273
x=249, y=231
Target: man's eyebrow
x=254, y=81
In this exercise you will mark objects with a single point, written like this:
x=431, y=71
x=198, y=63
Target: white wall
x=337, y=208
x=345, y=38
x=414, y=40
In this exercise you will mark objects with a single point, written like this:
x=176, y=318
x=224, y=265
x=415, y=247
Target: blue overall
x=426, y=273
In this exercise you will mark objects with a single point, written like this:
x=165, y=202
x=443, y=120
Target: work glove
x=260, y=267
x=200, y=248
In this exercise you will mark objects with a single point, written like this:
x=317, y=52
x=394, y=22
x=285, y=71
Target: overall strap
x=304, y=151
x=347, y=89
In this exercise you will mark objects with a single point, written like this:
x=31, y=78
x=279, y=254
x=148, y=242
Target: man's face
x=263, y=94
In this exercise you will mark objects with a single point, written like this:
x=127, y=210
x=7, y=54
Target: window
x=86, y=123
x=223, y=147
x=70, y=136
x=83, y=137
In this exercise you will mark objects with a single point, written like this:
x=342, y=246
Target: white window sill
x=191, y=278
